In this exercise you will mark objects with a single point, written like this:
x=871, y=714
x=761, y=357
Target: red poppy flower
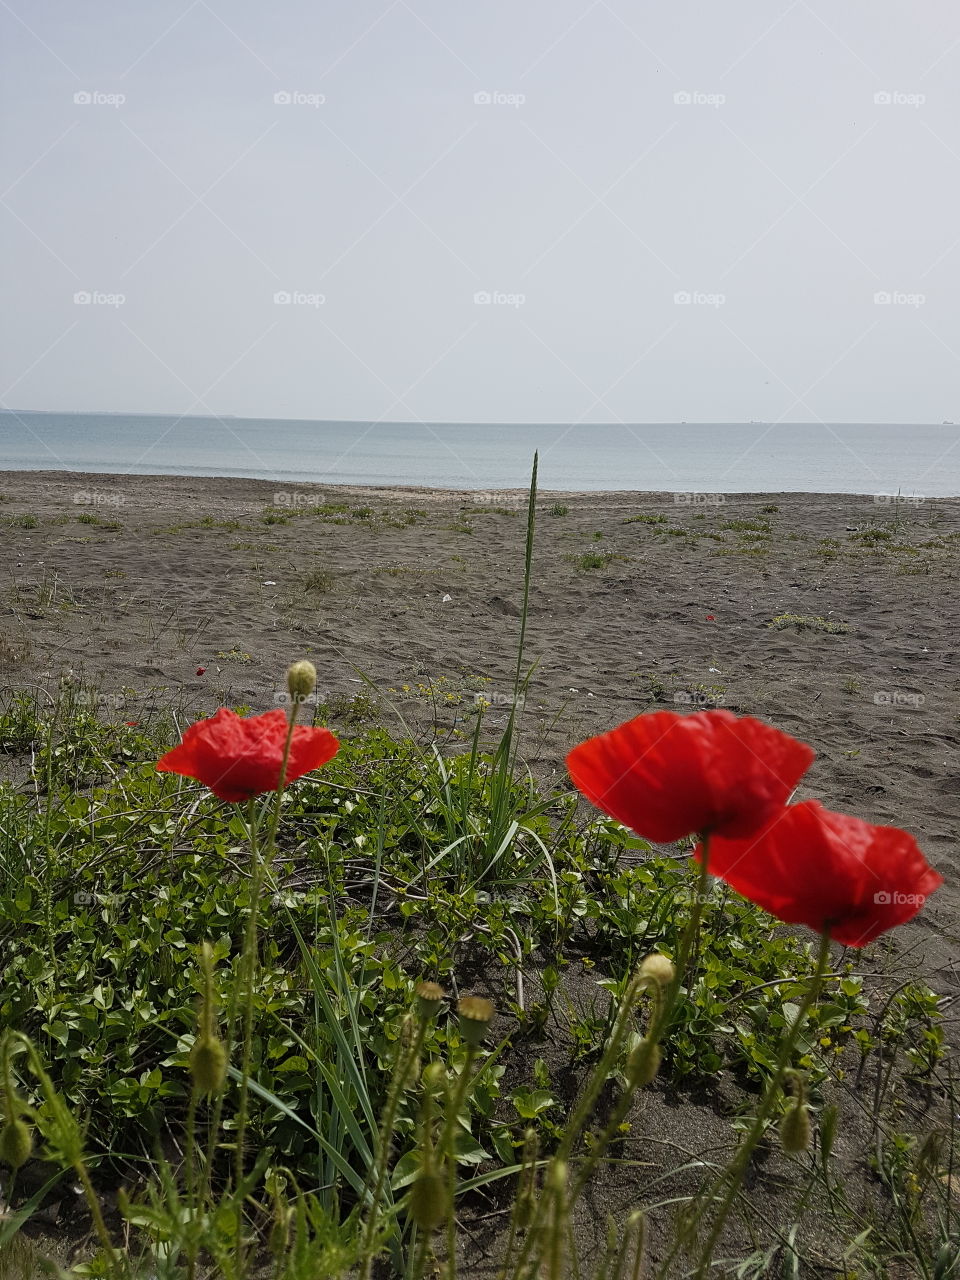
x=201, y=670
x=830, y=871
x=238, y=757
x=131, y=724
x=711, y=618
x=668, y=776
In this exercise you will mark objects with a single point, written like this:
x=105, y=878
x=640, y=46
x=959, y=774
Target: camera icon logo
x=482, y=98
x=481, y=298
x=882, y=298
x=281, y=299
x=682, y=298
x=683, y=98
x=81, y=299
x=82, y=98
x=882, y=898
x=883, y=98
x=282, y=98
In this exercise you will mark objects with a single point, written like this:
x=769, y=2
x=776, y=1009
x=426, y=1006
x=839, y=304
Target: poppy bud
x=208, y=1064
x=795, y=1129
x=557, y=1176
x=429, y=1000
x=643, y=1063
x=16, y=1143
x=429, y=1199
x=434, y=1077
x=657, y=966
x=301, y=680
x=475, y=1013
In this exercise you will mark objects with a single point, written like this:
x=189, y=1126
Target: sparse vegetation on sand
x=392, y=1011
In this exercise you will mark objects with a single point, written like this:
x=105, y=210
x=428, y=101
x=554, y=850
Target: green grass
x=319, y=582
x=746, y=526
x=809, y=622
x=591, y=560
x=396, y=863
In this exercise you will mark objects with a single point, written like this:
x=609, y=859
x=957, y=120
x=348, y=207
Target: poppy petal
x=238, y=757
x=829, y=871
x=667, y=775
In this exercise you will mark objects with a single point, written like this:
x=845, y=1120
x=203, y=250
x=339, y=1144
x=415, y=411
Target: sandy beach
x=834, y=617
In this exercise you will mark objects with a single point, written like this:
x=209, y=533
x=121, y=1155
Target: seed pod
x=16, y=1143
x=208, y=1064
x=643, y=1063
x=429, y=998
x=475, y=1014
x=795, y=1128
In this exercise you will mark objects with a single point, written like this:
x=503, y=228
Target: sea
x=910, y=459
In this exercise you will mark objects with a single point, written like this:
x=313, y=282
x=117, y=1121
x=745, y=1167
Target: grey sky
x=782, y=196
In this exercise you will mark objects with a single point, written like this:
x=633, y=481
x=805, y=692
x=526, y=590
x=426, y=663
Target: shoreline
x=9, y=477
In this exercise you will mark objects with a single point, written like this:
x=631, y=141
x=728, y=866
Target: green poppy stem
x=260, y=857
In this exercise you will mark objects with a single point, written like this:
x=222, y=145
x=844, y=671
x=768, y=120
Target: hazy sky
x=585, y=166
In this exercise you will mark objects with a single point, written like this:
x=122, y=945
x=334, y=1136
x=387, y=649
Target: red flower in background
x=239, y=757
x=829, y=871
x=668, y=776
x=201, y=670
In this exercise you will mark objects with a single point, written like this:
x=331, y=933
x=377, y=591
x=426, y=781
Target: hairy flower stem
x=733, y=1177
x=605, y=1066
x=448, y=1143
x=624, y=1102
x=405, y=1062
x=663, y=1013
x=259, y=858
x=69, y=1139
x=191, y=1177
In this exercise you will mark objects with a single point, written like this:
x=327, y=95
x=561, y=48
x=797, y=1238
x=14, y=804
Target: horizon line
x=445, y=422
